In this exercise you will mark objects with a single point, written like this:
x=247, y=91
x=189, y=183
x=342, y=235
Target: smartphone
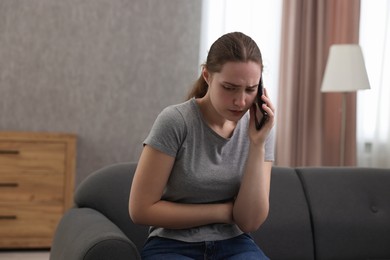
x=259, y=122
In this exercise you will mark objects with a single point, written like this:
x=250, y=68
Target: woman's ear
x=206, y=75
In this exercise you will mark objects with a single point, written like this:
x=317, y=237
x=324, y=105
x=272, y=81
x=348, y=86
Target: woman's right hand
x=227, y=212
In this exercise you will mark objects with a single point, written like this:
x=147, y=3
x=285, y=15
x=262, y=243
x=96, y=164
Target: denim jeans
x=237, y=248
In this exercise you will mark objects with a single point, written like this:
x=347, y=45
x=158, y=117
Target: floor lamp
x=345, y=72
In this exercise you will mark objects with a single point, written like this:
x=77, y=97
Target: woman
x=203, y=178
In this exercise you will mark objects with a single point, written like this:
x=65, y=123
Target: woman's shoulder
x=183, y=110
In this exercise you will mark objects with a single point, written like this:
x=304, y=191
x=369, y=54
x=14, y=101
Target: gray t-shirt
x=207, y=168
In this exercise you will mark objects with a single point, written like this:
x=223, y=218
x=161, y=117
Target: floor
x=24, y=255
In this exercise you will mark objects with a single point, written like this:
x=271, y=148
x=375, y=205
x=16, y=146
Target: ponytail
x=199, y=89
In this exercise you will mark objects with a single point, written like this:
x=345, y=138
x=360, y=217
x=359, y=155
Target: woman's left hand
x=259, y=136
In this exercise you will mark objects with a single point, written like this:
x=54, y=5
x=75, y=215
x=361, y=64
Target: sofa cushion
x=350, y=212
x=286, y=234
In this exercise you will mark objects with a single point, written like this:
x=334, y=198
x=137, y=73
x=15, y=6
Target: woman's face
x=233, y=90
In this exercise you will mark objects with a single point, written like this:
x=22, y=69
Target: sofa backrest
x=350, y=210
x=287, y=232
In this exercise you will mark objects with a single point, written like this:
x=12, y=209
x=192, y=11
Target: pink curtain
x=308, y=122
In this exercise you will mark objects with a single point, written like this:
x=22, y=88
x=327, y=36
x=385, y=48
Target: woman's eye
x=250, y=90
x=229, y=88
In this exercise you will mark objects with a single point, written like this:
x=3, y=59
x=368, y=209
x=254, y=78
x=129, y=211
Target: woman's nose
x=239, y=100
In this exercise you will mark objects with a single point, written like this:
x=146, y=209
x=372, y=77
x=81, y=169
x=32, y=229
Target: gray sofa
x=315, y=213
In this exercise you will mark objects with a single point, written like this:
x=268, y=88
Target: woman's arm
x=252, y=203
x=147, y=208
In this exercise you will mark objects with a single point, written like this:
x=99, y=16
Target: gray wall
x=102, y=69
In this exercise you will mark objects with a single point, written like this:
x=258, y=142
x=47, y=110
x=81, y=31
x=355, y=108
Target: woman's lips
x=237, y=112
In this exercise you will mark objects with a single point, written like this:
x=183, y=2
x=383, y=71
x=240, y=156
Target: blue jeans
x=236, y=248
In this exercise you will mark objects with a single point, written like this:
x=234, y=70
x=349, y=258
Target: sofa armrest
x=84, y=233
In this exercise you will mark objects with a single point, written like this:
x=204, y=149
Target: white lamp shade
x=345, y=70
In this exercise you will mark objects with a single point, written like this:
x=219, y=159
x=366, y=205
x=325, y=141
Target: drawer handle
x=9, y=185
x=11, y=152
x=8, y=217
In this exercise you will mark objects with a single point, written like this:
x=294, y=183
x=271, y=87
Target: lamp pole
x=343, y=127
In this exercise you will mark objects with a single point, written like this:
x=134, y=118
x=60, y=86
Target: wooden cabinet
x=37, y=172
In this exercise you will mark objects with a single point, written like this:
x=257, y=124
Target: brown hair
x=236, y=47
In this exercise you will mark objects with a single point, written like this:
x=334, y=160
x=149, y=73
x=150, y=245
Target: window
x=373, y=111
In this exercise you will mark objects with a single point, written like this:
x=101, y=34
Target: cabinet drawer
x=32, y=157
x=36, y=186
x=29, y=220
x=32, y=188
